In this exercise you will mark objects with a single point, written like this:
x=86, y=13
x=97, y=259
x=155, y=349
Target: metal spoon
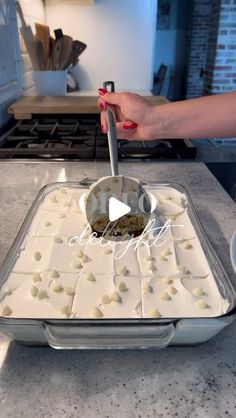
x=111, y=133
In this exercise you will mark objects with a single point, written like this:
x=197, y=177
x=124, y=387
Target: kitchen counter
x=175, y=382
x=26, y=106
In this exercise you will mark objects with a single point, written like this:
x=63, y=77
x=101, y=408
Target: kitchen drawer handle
x=73, y=336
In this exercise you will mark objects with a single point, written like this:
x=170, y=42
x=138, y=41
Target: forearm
x=211, y=116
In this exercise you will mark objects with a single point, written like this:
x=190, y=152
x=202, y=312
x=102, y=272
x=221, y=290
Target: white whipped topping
x=56, y=275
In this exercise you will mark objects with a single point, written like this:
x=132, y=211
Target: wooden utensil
x=40, y=54
x=49, y=64
x=67, y=45
x=28, y=37
x=77, y=49
x=56, y=54
x=43, y=35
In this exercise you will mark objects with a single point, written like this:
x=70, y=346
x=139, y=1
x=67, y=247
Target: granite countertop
x=185, y=382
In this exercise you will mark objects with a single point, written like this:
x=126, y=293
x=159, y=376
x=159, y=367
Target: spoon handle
x=111, y=133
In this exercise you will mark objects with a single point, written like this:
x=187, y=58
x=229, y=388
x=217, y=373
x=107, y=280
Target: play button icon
x=117, y=209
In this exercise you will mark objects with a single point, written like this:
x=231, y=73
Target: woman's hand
x=135, y=116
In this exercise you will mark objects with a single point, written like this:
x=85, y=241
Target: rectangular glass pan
x=146, y=332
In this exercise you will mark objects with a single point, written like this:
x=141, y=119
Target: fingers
x=103, y=122
x=122, y=128
x=101, y=104
x=111, y=98
x=126, y=130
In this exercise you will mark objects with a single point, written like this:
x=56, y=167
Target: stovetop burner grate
x=80, y=138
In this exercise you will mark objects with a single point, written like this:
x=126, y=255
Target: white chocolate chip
x=7, y=311
x=65, y=310
x=42, y=294
x=72, y=240
x=167, y=280
x=37, y=278
x=54, y=274
x=154, y=313
x=77, y=265
x=53, y=199
x=62, y=215
x=123, y=271
x=108, y=251
x=187, y=245
x=163, y=258
x=188, y=276
x=96, y=313
x=69, y=291
x=146, y=287
x=106, y=299
x=90, y=277
x=173, y=290
x=57, y=287
x=197, y=291
x=48, y=223
x=85, y=258
x=122, y=287
x=165, y=296
x=8, y=292
x=34, y=291
x=58, y=240
x=37, y=256
x=166, y=252
x=151, y=266
x=201, y=304
x=80, y=254
x=115, y=297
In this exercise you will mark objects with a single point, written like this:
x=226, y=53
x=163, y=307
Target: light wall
x=120, y=35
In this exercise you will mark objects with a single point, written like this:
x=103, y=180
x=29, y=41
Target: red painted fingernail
x=102, y=91
x=102, y=105
x=130, y=125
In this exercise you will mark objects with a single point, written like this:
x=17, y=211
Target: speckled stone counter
x=175, y=382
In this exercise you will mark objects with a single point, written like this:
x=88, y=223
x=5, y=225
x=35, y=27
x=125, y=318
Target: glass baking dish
x=118, y=333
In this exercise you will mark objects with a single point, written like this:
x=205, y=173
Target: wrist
x=160, y=123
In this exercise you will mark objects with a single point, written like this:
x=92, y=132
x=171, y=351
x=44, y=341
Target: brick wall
x=223, y=69
x=212, y=47
x=197, y=47
x=33, y=11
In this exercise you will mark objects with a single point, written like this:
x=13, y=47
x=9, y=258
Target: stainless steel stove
x=61, y=137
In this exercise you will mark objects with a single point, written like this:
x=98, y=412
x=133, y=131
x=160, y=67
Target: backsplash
x=120, y=38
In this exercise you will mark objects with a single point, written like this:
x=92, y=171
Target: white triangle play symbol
x=117, y=209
